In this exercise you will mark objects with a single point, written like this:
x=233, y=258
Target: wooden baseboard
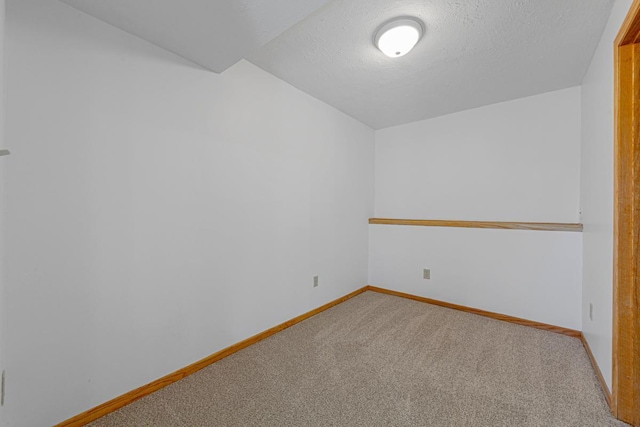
x=603, y=383
x=497, y=316
x=127, y=398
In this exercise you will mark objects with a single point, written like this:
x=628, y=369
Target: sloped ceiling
x=474, y=53
x=212, y=33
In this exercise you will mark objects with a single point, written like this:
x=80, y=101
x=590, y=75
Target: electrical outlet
x=591, y=312
x=2, y=390
x=315, y=281
x=426, y=274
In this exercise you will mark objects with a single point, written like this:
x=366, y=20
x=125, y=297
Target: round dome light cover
x=396, y=38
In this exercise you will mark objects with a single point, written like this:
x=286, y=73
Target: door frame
x=625, y=402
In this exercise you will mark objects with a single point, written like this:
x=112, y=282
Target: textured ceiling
x=474, y=53
x=212, y=33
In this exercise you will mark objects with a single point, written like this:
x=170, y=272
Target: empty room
x=319, y=213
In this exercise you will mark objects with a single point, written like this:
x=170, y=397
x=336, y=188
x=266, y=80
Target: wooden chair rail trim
x=130, y=397
x=537, y=226
x=594, y=363
x=492, y=315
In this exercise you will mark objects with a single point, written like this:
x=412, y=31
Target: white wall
x=158, y=212
x=597, y=194
x=533, y=275
x=514, y=161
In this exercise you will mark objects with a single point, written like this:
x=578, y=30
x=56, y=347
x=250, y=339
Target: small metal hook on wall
x=4, y=152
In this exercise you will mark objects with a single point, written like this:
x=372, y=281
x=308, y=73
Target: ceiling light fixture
x=397, y=37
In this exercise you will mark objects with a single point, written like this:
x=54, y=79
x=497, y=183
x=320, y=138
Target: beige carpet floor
x=379, y=360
